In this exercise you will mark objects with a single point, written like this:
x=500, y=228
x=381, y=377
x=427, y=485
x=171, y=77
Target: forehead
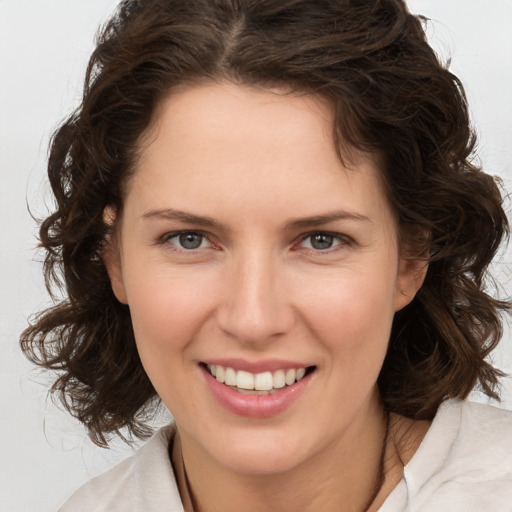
x=266, y=116
x=220, y=142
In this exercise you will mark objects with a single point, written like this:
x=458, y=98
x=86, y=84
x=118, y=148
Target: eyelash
x=342, y=241
x=166, y=239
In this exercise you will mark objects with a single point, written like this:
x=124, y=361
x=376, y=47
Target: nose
x=254, y=308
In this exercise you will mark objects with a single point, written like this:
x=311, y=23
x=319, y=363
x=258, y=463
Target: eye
x=321, y=241
x=187, y=240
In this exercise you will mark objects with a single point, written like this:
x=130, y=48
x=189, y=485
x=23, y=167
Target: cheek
x=167, y=314
x=167, y=311
x=353, y=314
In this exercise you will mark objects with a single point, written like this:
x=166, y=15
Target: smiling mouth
x=265, y=383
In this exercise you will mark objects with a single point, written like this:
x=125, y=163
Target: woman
x=267, y=218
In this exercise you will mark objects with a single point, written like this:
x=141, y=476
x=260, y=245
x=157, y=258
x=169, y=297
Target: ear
x=111, y=255
x=411, y=274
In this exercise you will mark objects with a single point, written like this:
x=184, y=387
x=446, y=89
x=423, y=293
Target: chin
x=261, y=454
x=263, y=464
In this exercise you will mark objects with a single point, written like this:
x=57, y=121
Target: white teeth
x=220, y=374
x=251, y=383
x=300, y=373
x=244, y=380
x=230, y=377
x=290, y=376
x=279, y=380
x=263, y=381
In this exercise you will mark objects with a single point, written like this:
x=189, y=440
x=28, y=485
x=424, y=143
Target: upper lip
x=268, y=365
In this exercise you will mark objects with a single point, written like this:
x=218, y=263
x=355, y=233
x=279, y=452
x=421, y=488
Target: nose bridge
x=254, y=308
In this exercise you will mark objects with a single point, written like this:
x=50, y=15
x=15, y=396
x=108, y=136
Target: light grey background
x=44, y=46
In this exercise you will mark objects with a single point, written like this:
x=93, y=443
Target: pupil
x=190, y=240
x=322, y=241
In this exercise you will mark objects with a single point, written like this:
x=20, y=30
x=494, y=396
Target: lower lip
x=255, y=406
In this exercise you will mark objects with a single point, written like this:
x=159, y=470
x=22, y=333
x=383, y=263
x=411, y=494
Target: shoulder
x=144, y=481
x=464, y=461
x=476, y=429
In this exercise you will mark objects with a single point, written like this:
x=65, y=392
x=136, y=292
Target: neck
x=345, y=476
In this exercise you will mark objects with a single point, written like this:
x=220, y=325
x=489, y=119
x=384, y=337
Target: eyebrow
x=188, y=218
x=298, y=223
x=318, y=220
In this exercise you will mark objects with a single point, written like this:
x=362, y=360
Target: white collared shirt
x=464, y=464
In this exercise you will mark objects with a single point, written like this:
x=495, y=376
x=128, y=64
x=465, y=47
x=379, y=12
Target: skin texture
x=255, y=163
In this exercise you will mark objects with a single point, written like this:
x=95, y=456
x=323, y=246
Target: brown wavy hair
x=390, y=95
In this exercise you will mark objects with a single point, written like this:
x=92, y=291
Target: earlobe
x=411, y=276
x=112, y=259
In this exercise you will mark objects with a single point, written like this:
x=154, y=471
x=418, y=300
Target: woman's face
x=247, y=249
